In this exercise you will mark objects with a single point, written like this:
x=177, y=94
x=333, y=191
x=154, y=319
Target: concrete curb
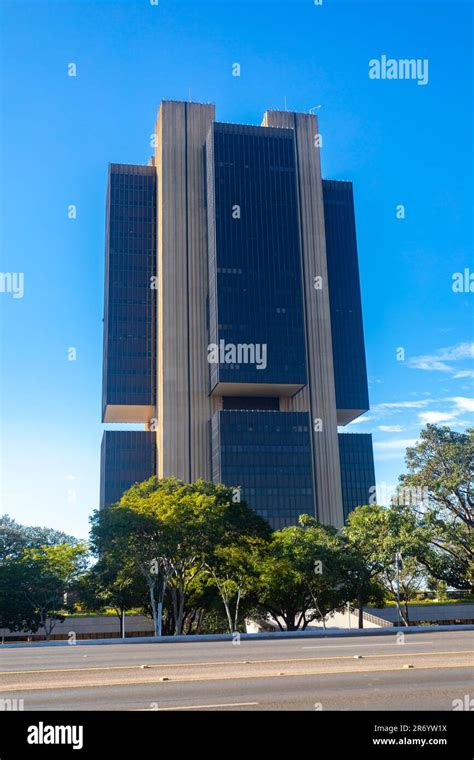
x=248, y=636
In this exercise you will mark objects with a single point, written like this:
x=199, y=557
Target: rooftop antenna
x=314, y=108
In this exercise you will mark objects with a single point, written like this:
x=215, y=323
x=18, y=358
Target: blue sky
x=399, y=142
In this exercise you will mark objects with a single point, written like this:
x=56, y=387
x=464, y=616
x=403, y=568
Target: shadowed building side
x=357, y=470
x=129, y=385
x=127, y=457
x=350, y=371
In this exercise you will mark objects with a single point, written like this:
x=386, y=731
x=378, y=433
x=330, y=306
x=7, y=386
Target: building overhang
x=128, y=413
x=256, y=389
x=344, y=416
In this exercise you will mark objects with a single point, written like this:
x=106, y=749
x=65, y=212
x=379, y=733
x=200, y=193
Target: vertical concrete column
x=183, y=408
x=321, y=390
x=199, y=119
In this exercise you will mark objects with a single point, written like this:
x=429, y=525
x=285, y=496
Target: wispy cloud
x=463, y=403
x=391, y=428
x=443, y=359
x=397, y=444
x=396, y=406
x=435, y=417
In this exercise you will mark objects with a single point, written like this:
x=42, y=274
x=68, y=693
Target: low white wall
x=339, y=621
x=95, y=626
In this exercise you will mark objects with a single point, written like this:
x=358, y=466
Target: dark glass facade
x=357, y=469
x=129, y=371
x=251, y=292
x=268, y=454
x=350, y=372
x=127, y=457
x=255, y=280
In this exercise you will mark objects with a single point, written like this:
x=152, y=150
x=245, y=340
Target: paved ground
x=329, y=674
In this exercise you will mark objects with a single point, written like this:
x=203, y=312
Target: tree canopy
x=195, y=557
x=38, y=566
x=441, y=466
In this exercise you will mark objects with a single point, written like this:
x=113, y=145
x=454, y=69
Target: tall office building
x=233, y=322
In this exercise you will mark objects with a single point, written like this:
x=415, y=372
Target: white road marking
x=204, y=707
x=353, y=646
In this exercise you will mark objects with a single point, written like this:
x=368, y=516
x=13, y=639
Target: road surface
x=426, y=672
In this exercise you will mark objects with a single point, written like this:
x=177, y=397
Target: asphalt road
x=426, y=672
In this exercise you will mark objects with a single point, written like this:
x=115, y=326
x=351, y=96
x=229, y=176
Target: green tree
x=168, y=530
x=440, y=473
x=48, y=573
x=233, y=571
x=363, y=529
x=19, y=573
x=303, y=574
x=12, y=539
x=16, y=612
x=111, y=584
x=134, y=539
x=15, y=537
x=378, y=534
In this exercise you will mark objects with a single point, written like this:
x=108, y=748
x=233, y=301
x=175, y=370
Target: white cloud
x=398, y=443
x=463, y=403
x=435, y=417
x=464, y=373
x=391, y=428
x=442, y=359
x=359, y=420
x=429, y=363
x=397, y=405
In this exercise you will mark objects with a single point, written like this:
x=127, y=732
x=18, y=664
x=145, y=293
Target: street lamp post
x=399, y=565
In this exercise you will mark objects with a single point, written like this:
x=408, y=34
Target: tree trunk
x=151, y=588
x=190, y=620
x=225, y=601
x=180, y=618
x=119, y=614
x=321, y=615
x=237, y=604
x=199, y=620
x=406, y=616
x=178, y=599
x=159, y=620
x=228, y=613
x=44, y=623
x=401, y=617
x=361, y=611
